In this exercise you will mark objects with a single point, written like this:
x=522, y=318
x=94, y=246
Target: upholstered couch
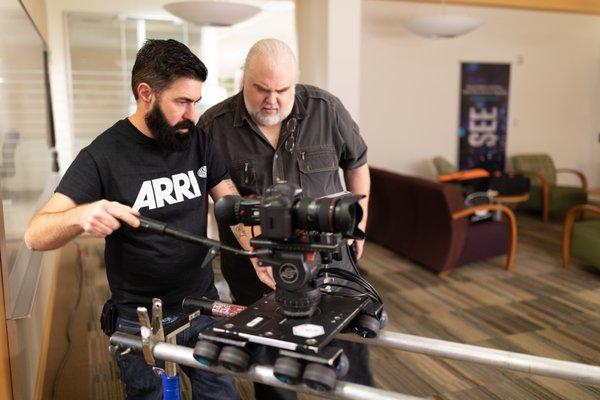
x=428, y=223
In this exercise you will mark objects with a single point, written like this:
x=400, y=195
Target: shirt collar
x=241, y=113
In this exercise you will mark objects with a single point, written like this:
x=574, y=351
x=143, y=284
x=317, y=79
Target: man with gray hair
x=277, y=130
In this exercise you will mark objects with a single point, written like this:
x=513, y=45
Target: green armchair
x=581, y=239
x=443, y=166
x=546, y=195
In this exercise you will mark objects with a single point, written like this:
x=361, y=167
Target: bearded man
x=158, y=163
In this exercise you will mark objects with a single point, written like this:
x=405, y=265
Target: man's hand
x=243, y=233
x=102, y=218
x=61, y=220
x=358, y=248
x=265, y=274
x=358, y=181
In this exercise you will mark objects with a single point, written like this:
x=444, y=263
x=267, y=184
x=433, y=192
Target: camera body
x=301, y=233
x=276, y=211
x=282, y=212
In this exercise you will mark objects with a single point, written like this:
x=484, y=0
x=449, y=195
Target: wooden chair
x=546, y=195
x=582, y=238
x=511, y=224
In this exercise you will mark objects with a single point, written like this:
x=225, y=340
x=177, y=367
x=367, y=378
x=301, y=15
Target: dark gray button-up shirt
x=317, y=138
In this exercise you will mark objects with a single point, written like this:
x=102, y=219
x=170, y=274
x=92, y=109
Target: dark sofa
x=428, y=223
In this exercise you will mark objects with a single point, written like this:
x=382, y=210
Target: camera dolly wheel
x=206, y=352
x=319, y=377
x=367, y=326
x=235, y=359
x=288, y=370
x=342, y=366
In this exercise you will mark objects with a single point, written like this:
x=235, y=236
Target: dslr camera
x=302, y=234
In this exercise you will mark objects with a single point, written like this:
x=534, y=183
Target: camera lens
x=227, y=208
x=328, y=214
x=347, y=214
x=231, y=210
x=312, y=214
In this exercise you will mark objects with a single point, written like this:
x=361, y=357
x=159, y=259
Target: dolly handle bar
x=163, y=228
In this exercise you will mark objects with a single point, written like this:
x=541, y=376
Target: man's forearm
x=51, y=230
x=243, y=234
x=358, y=181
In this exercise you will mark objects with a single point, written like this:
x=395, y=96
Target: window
x=103, y=49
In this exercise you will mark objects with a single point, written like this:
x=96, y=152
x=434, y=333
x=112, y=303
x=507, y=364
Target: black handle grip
x=152, y=225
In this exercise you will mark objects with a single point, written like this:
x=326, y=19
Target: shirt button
x=276, y=156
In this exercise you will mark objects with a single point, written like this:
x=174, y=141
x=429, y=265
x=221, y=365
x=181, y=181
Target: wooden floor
x=537, y=308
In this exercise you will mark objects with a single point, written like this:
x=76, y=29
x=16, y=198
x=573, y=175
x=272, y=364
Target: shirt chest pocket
x=243, y=174
x=318, y=171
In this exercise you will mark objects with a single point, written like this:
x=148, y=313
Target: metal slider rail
x=258, y=373
x=572, y=371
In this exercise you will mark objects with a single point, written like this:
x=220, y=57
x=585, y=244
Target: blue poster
x=483, y=116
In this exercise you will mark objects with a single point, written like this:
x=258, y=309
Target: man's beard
x=166, y=135
x=264, y=119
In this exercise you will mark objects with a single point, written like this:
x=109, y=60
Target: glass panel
x=100, y=74
x=25, y=163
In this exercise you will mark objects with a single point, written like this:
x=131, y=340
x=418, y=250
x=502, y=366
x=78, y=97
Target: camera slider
x=263, y=323
x=287, y=362
x=304, y=354
x=303, y=344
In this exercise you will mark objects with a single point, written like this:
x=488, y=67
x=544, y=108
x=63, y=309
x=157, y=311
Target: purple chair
x=428, y=223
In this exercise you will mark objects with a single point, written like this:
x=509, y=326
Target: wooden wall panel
x=5, y=379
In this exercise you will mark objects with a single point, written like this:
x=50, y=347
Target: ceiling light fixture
x=212, y=13
x=441, y=25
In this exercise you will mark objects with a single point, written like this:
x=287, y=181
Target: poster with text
x=483, y=115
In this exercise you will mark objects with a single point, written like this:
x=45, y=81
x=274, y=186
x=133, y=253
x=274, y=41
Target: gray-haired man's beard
x=269, y=120
x=166, y=135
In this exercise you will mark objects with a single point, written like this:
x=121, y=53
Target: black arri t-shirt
x=124, y=165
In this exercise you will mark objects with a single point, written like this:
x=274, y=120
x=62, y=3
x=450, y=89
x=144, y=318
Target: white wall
x=312, y=28
x=410, y=85
x=344, y=53
x=329, y=33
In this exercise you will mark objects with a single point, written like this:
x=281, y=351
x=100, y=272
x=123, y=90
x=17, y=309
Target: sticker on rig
x=254, y=322
x=308, y=330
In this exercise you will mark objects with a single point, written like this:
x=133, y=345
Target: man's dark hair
x=161, y=62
